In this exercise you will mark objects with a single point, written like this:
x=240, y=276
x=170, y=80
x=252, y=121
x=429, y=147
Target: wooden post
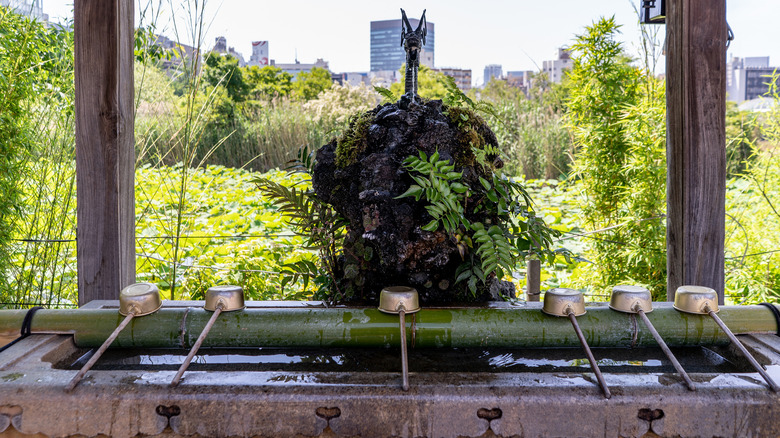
x=105, y=162
x=696, y=143
x=533, y=276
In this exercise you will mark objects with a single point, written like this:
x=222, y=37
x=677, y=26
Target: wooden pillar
x=696, y=143
x=105, y=160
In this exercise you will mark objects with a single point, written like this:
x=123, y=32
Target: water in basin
x=484, y=360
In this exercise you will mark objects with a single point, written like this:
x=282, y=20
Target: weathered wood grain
x=696, y=143
x=104, y=147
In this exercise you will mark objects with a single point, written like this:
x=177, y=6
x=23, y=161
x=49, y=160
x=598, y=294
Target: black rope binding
x=26, y=327
x=775, y=312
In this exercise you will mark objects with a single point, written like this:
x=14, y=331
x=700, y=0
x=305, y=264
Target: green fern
x=321, y=227
x=455, y=97
x=494, y=249
x=386, y=94
x=438, y=183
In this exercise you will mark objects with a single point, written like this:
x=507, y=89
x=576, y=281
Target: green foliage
x=268, y=82
x=19, y=61
x=429, y=84
x=387, y=95
x=145, y=49
x=534, y=136
x=517, y=233
x=753, y=218
x=223, y=70
x=742, y=135
x=333, y=107
x=309, y=85
x=617, y=117
x=438, y=184
x=317, y=223
x=455, y=98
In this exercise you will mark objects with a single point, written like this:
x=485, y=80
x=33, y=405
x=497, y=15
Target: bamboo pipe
x=299, y=326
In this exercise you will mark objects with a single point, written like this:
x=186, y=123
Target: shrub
x=616, y=114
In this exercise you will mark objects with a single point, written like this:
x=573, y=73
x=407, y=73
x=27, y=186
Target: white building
x=298, y=67
x=259, y=56
x=555, y=68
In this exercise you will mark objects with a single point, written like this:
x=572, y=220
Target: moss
x=470, y=127
x=354, y=140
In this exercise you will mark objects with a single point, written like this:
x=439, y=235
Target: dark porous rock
x=361, y=174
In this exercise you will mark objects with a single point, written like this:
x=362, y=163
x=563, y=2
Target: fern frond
x=386, y=94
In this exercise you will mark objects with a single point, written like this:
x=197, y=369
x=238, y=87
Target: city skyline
x=519, y=35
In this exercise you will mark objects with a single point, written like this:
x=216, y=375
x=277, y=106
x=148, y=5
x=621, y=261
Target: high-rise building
x=555, y=68
x=259, y=54
x=748, y=78
x=462, y=77
x=493, y=71
x=30, y=8
x=387, y=53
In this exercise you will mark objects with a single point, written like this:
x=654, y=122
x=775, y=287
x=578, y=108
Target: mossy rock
x=361, y=174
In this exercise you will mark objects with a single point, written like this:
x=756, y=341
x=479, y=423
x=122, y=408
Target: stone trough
x=300, y=369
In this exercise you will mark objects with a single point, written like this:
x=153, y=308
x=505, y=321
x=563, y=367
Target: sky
x=518, y=34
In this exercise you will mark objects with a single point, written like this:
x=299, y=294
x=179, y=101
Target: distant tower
x=220, y=44
x=387, y=54
x=493, y=71
x=259, y=53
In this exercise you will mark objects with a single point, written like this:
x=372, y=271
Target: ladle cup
x=704, y=301
x=138, y=299
x=400, y=300
x=637, y=300
x=218, y=299
x=570, y=303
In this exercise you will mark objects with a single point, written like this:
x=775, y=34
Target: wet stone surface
x=361, y=174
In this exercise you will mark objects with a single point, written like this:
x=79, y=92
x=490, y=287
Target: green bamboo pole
x=367, y=327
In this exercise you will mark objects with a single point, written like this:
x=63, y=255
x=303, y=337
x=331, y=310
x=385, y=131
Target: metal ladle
x=637, y=300
x=704, y=301
x=570, y=302
x=218, y=299
x=138, y=299
x=400, y=300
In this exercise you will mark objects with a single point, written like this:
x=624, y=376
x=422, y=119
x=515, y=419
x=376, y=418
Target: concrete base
x=369, y=404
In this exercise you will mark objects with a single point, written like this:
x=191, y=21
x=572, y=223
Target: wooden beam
x=696, y=143
x=105, y=162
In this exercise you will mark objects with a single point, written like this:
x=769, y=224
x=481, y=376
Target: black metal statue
x=413, y=42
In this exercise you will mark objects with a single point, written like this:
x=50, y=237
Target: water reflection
x=494, y=360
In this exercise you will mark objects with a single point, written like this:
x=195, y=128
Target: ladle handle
x=666, y=350
x=197, y=345
x=404, y=359
x=593, y=364
x=744, y=351
x=111, y=338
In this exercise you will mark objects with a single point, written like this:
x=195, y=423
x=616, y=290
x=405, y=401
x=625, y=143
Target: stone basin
x=474, y=391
